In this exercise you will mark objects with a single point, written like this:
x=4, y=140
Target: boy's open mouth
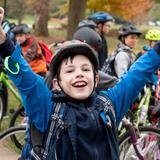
x=79, y=84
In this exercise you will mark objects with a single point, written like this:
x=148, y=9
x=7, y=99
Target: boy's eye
x=86, y=69
x=69, y=71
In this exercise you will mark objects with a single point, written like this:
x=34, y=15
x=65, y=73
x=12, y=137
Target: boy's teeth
x=80, y=84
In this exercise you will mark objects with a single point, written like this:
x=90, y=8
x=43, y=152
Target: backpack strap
x=108, y=104
x=40, y=150
x=56, y=121
x=108, y=108
x=108, y=66
x=36, y=142
x=108, y=117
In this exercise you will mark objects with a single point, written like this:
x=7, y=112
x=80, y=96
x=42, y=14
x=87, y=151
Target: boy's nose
x=79, y=75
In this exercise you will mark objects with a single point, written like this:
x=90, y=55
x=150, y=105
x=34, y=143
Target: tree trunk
x=41, y=9
x=76, y=13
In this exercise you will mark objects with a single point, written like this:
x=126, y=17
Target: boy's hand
x=1, y=14
x=2, y=33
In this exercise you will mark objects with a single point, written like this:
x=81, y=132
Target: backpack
x=108, y=66
x=46, y=52
x=57, y=125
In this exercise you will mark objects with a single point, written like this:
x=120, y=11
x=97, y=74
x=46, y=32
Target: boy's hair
x=70, y=49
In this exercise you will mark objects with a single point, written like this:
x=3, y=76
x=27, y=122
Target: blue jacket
x=37, y=97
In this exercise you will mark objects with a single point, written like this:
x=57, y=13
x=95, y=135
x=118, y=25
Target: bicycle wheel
x=5, y=138
x=17, y=120
x=5, y=98
x=17, y=117
x=148, y=143
x=1, y=107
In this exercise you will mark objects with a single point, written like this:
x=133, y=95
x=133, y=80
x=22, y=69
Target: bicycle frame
x=144, y=104
x=133, y=127
x=5, y=80
x=134, y=134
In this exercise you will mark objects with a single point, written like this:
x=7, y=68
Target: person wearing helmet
x=152, y=36
x=104, y=22
x=128, y=36
x=30, y=49
x=88, y=35
x=76, y=122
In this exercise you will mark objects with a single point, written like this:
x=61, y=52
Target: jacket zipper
x=95, y=157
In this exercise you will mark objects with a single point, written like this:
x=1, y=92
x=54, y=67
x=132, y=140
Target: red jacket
x=33, y=54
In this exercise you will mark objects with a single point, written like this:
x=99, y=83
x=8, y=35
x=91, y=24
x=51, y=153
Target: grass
x=12, y=106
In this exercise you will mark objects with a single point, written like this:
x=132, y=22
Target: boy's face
x=21, y=38
x=77, y=77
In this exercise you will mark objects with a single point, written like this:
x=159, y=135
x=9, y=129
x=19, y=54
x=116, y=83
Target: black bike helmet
x=71, y=48
x=89, y=36
x=101, y=17
x=87, y=23
x=126, y=30
x=22, y=28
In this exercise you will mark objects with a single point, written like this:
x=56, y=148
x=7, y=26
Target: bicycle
x=6, y=137
x=140, y=117
x=5, y=85
x=139, y=143
x=19, y=115
x=138, y=140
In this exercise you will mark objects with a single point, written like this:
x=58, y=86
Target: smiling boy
x=86, y=127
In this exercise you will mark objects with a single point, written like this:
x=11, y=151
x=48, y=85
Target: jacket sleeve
x=35, y=94
x=6, y=48
x=126, y=90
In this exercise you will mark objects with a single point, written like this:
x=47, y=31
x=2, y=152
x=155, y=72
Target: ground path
x=6, y=154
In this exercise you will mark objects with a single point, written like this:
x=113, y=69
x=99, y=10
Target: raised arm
x=131, y=83
x=35, y=94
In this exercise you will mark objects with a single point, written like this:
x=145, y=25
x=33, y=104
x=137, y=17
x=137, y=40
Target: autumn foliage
x=127, y=9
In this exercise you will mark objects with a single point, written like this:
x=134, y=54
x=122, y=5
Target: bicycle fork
x=133, y=137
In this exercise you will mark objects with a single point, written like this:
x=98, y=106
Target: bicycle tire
x=129, y=153
x=19, y=132
x=1, y=106
x=5, y=98
x=16, y=119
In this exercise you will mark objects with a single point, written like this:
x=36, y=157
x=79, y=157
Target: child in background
x=30, y=49
x=122, y=57
x=152, y=36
